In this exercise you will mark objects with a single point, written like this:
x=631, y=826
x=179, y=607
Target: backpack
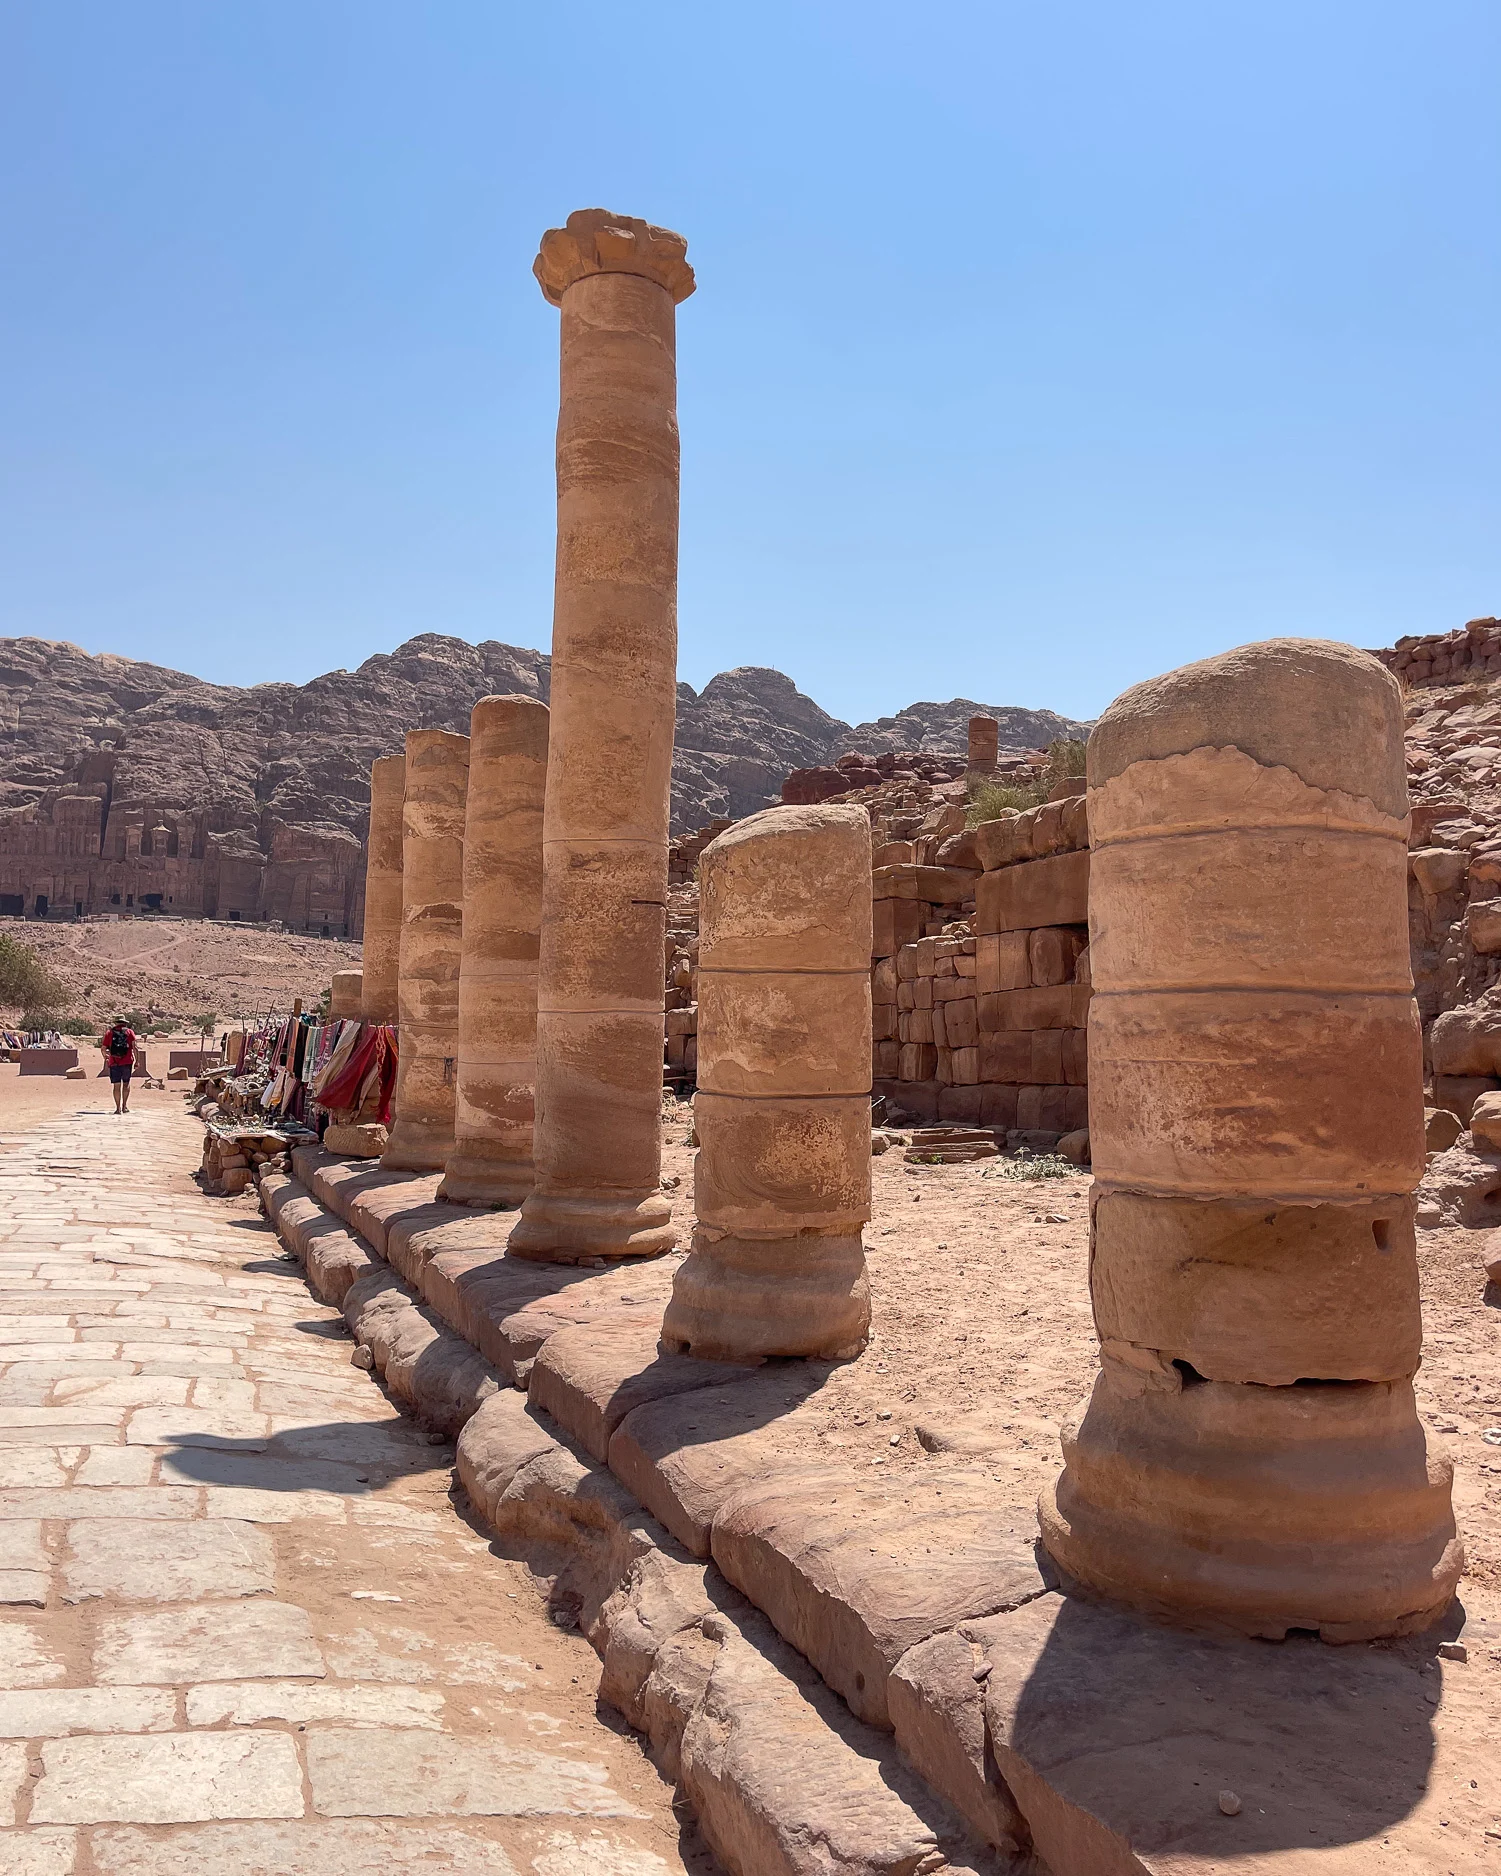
x=119, y=1043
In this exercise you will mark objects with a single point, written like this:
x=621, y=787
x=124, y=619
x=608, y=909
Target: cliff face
x=123, y=783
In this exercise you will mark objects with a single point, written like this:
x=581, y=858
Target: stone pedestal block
x=432, y=905
x=382, y=944
x=346, y=995
x=598, y=1150
x=491, y=1163
x=782, y=1188
x=1251, y=1456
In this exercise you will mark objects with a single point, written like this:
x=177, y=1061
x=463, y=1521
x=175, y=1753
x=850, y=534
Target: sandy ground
x=27, y=1100
x=181, y=967
x=983, y=1337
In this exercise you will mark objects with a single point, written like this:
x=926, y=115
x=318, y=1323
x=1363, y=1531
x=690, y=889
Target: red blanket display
x=372, y=1063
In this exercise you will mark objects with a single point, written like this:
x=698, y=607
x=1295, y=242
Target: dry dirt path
x=242, y=1627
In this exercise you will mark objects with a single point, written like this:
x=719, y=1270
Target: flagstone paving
x=243, y=1626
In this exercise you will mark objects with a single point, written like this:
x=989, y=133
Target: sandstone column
x=382, y=944
x=782, y=1186
x=984, y=745
x=609, y=760
x=432, y=901
x=1251, y=1456
x=491, y=1163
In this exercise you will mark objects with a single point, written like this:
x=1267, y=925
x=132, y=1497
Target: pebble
x=981, y=1673
x=1229, y=1804
x=362, y=1358
x=883, y=1413
x=1454, y=1651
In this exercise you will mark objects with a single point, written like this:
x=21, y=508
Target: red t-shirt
x=119, y=1056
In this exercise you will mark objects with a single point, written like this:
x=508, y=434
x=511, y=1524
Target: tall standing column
x=382, y=943
x=1251, y=1455
x=782, y=1189
x=491, y=1163
x=984, y=745
x=432, y=906
x=609, y=761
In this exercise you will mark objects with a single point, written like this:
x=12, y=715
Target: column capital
x=593, y=241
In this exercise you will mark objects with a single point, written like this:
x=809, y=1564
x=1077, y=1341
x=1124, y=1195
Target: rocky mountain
x=299, y=755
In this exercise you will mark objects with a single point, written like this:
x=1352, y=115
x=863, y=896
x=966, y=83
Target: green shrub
x=25, y=980
x=989, y=800
x=1031, y=1166
x=76, y=1026
x=1065, y=764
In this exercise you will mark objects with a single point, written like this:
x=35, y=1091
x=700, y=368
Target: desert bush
x=25, y=979
x=1065, y=763
x=988, y=801
x=1031, y=1166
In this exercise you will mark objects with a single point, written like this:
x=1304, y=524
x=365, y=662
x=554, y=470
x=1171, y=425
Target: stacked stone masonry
x=982, y=1019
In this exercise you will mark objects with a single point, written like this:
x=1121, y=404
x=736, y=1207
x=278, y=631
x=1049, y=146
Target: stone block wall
x=1446, y=657
x=980, y=1018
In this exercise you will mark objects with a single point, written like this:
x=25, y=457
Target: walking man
x=118, y=1046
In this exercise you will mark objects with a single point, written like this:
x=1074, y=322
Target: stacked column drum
x=432, y=906
x=782, y=1184
x=1251, y=1455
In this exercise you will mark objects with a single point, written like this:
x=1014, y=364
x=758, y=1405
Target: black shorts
x=120, y=1071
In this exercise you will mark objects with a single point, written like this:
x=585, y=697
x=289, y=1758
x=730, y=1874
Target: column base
x=748, y=1299
x=568, y=1228
x=1257, y=1510
x=416, y=1147
x=472, y=1179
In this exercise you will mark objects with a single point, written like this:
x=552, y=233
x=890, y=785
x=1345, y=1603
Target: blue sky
x=1036, y=349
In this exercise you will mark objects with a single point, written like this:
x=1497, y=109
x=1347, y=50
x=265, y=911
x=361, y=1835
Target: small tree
x=25, y=980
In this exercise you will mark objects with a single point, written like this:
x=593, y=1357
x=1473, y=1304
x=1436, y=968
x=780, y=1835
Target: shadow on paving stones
x=349, y=1458
x=1142, y=1726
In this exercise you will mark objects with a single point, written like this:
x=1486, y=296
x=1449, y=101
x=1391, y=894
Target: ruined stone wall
x=981, y=1018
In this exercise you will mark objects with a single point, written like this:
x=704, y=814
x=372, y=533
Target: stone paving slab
x=168, y=1779
x=243, y=1582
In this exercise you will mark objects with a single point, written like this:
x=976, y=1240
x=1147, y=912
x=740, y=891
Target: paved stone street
x=242, y=1627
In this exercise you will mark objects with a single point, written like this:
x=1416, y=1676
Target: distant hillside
x=297, y=756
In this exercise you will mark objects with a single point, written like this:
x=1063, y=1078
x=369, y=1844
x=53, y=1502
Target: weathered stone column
x=984, y=745
x=491, y=1163
x=1251, y=1455
x=782, y=1186
x=346, y=995
x=432, y=903
x=382, y=943
x=609, y=761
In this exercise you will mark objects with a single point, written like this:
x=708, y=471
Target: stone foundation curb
x=847, y=1676
x=785, y=1780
